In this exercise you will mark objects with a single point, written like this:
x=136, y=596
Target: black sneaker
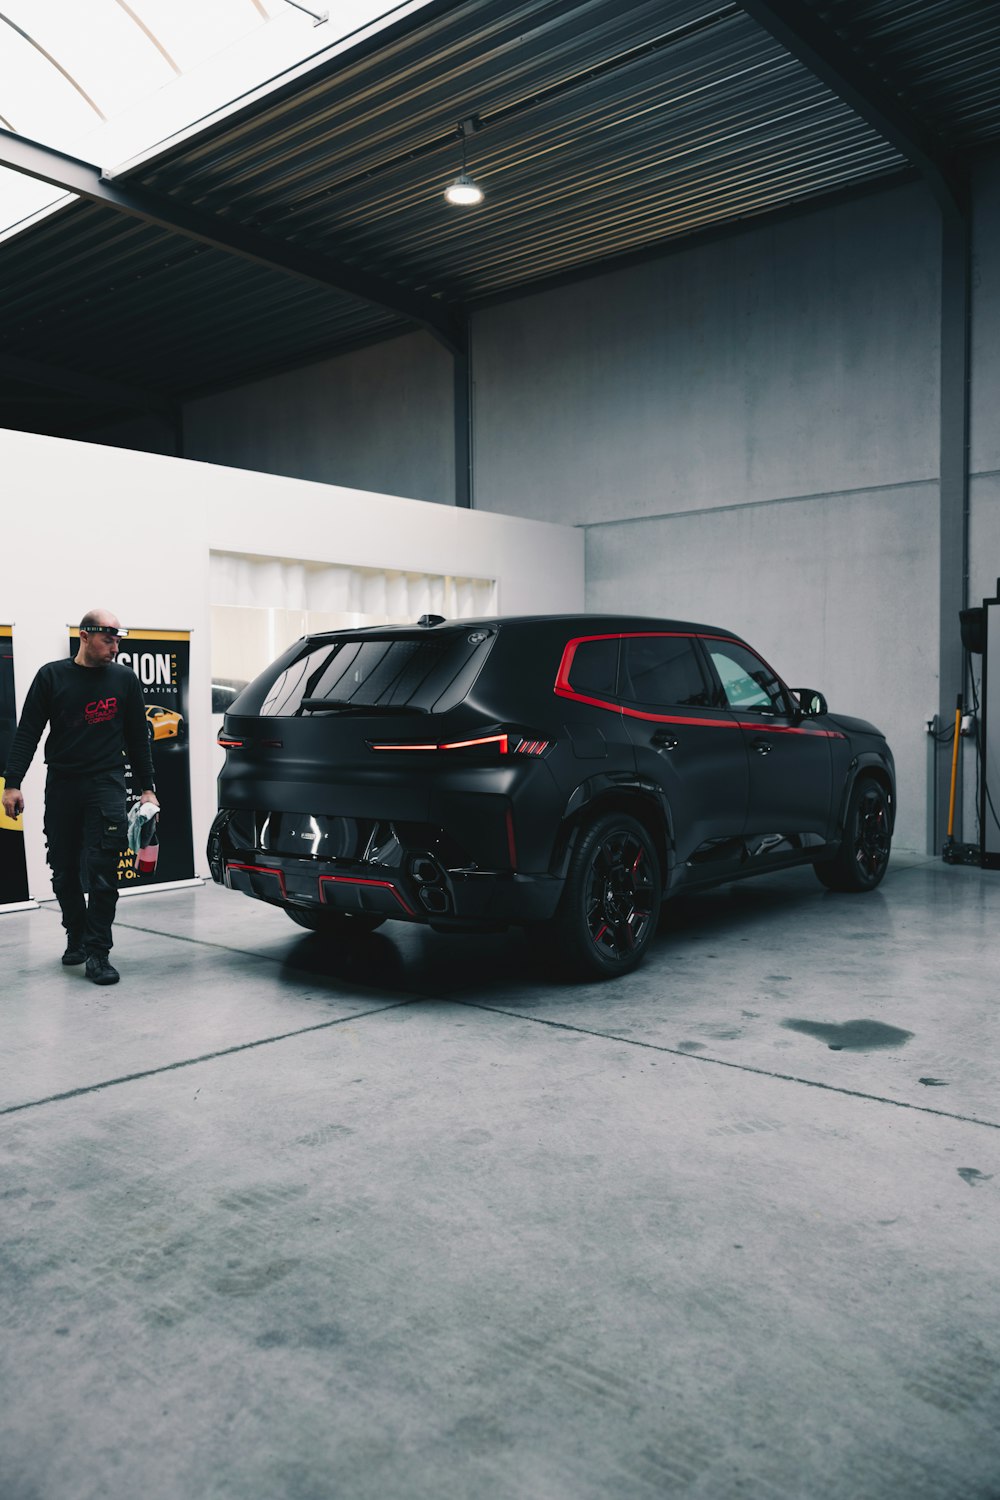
x=100, y=971
x=75, y=953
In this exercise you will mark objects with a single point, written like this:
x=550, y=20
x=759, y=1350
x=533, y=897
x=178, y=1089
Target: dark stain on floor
x=973, y=1176
x=852, y=1036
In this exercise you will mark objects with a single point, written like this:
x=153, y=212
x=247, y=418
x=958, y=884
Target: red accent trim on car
x=819, y=734
x=260, y=870
x=638, y=713
x=364, y=880
x=563, y=689
x=230, y=744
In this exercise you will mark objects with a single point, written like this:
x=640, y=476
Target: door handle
x=762, y=747
x=664, y=740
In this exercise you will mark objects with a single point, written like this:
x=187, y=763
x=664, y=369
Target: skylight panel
x=113, y=81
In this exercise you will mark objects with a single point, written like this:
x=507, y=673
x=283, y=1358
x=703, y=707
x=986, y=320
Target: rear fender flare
x=641, y=799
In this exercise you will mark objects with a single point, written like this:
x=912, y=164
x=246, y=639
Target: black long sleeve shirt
x=95, y=715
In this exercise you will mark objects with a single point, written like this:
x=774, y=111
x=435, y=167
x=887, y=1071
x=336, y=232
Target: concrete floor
x=415, y=1220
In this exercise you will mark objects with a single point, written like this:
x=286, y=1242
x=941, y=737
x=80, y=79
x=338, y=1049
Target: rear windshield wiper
x=344, y=705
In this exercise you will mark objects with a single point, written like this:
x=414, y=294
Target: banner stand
x=15, y=894
x=146, y=890
x=160, y=660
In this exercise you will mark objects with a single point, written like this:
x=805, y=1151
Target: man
x=95, y=713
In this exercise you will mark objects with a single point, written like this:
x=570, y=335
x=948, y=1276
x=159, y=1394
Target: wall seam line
x=702, y=510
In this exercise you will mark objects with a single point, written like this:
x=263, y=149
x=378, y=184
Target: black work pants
x=86, y=831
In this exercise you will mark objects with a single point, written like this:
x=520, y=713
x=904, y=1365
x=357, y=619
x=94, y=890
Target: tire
x=611, y=902
x=863, y=856
x=342, y=924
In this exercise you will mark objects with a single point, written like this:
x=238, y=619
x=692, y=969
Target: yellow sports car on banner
x=163, y=723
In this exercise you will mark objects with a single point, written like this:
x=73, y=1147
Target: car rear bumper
x=418, y=888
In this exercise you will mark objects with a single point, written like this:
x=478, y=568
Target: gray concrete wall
x=985, y=434
x=749, y=432
x=794, y=360
x=984, y=461
x=380, y=419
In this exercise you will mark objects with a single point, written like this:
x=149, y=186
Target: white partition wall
x=88, y=526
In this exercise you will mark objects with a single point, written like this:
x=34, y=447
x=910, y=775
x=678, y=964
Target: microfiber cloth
x=142, y=825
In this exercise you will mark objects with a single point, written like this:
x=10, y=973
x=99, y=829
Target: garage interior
x=416, y=1217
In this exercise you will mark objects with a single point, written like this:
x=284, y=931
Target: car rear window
x=428, y=672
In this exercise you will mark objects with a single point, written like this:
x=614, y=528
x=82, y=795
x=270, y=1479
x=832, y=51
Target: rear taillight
x=495, y=744
x=228, y=744
x=498, y=744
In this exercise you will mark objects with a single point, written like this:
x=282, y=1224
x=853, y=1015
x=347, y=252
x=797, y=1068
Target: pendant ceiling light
x=463, y=190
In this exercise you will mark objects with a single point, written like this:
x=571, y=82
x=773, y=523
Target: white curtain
x=260, y=605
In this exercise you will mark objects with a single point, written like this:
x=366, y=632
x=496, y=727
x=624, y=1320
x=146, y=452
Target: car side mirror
x=811, y=701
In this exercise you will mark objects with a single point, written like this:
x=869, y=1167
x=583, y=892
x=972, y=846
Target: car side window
x=663, y=669
x=594, y=669
x=747, y=682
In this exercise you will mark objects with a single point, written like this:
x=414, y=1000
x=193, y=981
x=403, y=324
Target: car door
x=789, y=757
x=684, y=742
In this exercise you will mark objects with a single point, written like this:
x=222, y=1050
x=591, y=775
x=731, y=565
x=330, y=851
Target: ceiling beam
x=88, y=181
x=803, y=33
x=79, y=383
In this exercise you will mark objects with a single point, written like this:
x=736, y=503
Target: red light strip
x=261, y=870
x=230, y=744
x=405, y=747
x=363, y=880
x=489, y=739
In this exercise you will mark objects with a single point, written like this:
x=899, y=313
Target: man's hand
x=13, y=803
x=150, y=797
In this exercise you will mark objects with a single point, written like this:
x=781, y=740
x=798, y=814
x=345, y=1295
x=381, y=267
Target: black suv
x=569, y=770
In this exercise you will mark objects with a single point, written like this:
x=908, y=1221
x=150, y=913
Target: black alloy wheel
x=339, y=924
x=611, y=903
x=864, y=855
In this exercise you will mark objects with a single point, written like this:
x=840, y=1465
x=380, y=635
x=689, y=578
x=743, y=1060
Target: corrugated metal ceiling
x=606, y=130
